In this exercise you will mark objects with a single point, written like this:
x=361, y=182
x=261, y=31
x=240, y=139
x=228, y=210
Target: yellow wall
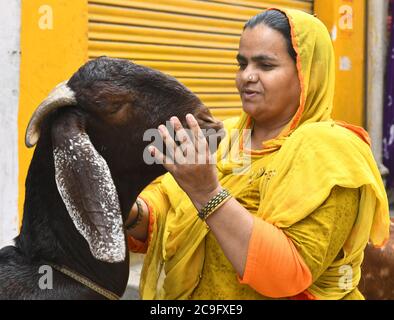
x=194, y=41
x=347, y=17
x=53, y=44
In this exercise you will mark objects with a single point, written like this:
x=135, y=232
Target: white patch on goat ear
x=85, y=184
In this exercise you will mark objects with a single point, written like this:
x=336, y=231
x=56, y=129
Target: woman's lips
x=250, y=94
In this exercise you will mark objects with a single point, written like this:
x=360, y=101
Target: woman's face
x=267, y=79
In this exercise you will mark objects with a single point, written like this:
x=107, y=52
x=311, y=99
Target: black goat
x=86, y=172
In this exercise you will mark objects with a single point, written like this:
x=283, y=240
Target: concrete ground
x=136, y=261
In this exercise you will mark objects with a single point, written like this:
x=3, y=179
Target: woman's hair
x=278, y=21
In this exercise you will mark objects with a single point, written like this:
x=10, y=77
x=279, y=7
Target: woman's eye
x=242, y=66
x=264, y=66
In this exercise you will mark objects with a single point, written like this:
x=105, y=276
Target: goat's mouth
x=212, y=130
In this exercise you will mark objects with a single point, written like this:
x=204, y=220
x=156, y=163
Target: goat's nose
x=206, y=120
x=210, y=124
x=214, y=135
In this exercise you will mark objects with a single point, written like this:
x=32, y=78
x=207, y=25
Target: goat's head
x=97, y=120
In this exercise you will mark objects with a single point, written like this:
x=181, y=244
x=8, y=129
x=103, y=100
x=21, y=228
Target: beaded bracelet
x=215, y=203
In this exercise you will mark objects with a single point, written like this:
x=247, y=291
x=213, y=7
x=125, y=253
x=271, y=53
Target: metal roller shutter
x=195, y=41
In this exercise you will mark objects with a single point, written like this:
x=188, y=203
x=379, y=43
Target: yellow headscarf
x=314, y=154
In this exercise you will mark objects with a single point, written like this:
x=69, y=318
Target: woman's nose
x=252, y=77
x=249, y=75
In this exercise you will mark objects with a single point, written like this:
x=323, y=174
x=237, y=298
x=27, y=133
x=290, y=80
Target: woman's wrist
x=138, y=217
x=200, y=199
x=214, y=204
x=137, y=223
x=134, y=216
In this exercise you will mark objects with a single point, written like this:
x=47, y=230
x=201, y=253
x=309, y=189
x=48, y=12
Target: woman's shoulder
x=327, y=132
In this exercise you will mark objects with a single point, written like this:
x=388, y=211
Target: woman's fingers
x=200, y=143
x=183, y=137
x=193, y=148
x=173, y=153
x=161, y=158
x=195, y=128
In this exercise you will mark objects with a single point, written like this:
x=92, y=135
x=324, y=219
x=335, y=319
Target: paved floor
x=136, y=261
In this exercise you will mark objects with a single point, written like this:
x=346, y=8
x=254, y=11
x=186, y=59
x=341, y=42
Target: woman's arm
x=154, y=203
x=137, y=223
x=232, y=226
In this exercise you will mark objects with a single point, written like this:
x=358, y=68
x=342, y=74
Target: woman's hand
x=195, y=171
x=191, y=163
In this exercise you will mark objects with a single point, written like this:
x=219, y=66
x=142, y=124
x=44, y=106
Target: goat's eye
x=113, y=111
x=114, y=108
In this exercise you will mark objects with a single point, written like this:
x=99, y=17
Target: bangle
x=138, y=218
x=215, y=203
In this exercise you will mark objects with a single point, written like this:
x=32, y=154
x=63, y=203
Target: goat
x=377, y=277
x=85, y=174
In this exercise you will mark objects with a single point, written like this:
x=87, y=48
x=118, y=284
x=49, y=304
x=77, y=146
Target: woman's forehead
x=262, y=40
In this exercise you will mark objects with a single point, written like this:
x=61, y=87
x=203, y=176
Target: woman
x=304, y=197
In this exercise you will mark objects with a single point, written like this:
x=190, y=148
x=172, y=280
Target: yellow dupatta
x=313, y=154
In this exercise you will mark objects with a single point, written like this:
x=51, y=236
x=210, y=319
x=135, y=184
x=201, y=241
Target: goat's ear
x=85, y=184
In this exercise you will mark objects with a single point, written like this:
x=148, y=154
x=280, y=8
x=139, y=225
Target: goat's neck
x=130, y=184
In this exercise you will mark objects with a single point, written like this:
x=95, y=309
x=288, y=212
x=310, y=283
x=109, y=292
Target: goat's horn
x=61, y=96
